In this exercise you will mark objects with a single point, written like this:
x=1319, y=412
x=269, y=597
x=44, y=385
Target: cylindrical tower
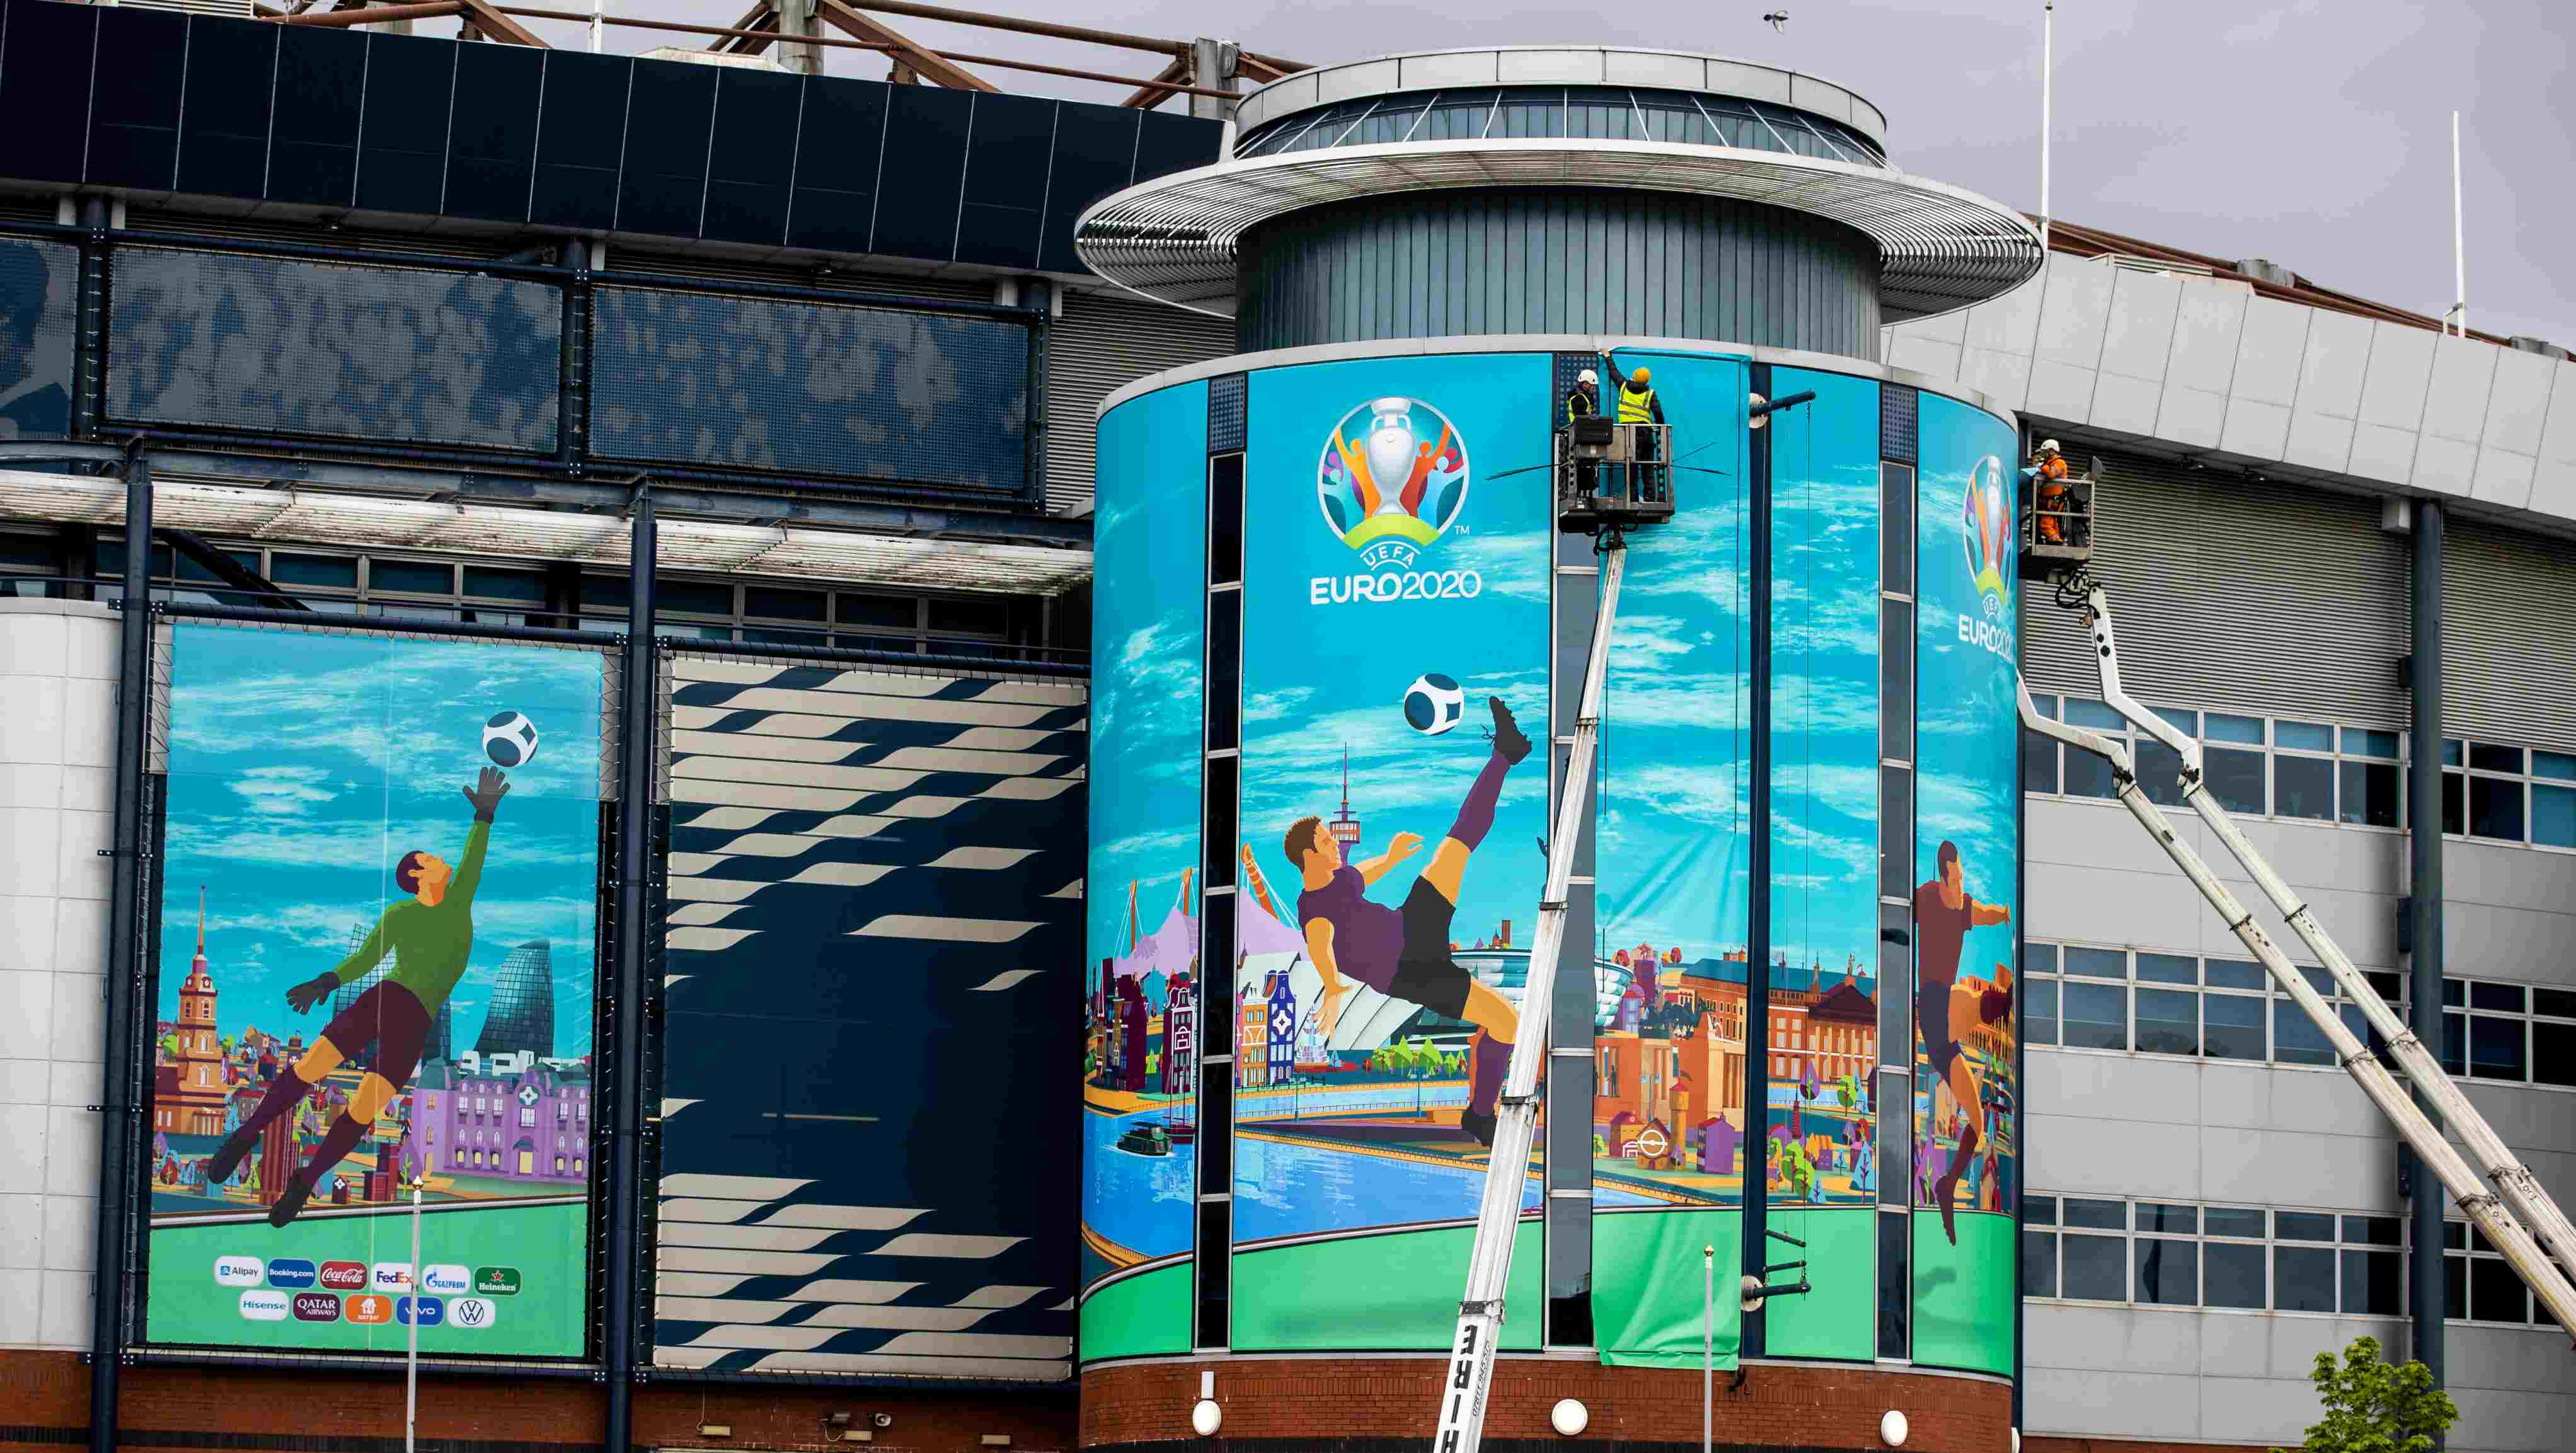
x=1791, y=1011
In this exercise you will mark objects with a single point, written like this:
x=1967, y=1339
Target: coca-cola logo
x=344, y=1276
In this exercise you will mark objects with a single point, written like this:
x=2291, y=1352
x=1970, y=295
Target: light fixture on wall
x=1205, y=1416
x=1569, y=1417
x=1891, y=1428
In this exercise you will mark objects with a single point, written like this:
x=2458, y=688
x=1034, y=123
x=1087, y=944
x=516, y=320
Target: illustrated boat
x=1146, y=1140
x=1182, y=1132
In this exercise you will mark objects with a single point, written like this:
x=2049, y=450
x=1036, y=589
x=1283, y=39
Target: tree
x=2373, y=1407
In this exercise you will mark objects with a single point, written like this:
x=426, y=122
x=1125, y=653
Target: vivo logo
x=428, y=1311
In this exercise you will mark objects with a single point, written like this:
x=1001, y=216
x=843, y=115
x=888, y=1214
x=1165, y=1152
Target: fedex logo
x=392, y=1276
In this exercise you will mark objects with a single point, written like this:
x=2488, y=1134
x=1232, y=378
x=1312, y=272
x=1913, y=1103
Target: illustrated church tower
x=200, y=1100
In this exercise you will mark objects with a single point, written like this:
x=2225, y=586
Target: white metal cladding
x=370, y=521
x=1099, y=346
x=1174, y=237
x=2508, y=636
x=2268, y=599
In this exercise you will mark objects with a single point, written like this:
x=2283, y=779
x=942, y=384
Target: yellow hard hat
x=1643, y=374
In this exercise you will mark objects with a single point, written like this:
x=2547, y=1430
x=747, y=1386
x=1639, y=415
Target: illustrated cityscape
x=504, y=1119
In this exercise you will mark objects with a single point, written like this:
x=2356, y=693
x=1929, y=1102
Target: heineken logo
x=496, y=1281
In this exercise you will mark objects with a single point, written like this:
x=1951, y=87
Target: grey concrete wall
x=57, y=728
x=2154, y=1126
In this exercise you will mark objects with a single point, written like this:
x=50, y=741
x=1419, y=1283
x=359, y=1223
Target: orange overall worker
x=2056, y=497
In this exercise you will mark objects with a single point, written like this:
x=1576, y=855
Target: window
x=2239, y=1258
x=2480, y=1283
x=2076, y=996
x=2510, y=1032
x=527, y=1117
x=2316, y=772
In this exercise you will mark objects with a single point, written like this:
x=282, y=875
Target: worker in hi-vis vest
x=1638, y=405
x=1584, y=402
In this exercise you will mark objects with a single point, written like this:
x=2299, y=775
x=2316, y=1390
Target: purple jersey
x=1368, y=937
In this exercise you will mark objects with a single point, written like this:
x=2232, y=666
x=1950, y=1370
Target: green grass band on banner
x=1393, y=1292
x=1647, y=1281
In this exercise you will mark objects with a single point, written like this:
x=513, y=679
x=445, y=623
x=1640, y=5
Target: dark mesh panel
x=37, y=280
x=1898, y=408
x=389, y=355
x=1225, y=414
x=862, y=393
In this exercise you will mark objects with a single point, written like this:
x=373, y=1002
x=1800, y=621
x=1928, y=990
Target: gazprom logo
x=1986, y=543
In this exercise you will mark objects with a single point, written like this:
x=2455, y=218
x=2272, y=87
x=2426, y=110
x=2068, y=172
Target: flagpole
x=2048, y=106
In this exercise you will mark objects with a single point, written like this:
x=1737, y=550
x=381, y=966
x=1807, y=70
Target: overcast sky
x=2314, y=133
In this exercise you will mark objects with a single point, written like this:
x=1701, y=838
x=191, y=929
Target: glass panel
x=2232, y=1221
x=2488, y=757
x=2303, y=1226
x=412, y=576
x=2454, y=816
x=2157, y=1216
x=2389, y=986
x=2083, y=712
x=791, y=605
x=2495, y=1293
x=2236, y=1276
x=528, y=586
x=2169, y=1273
x=2455, y=1288
x=2038, y=763
x=2039, y=1210
x=2553, y=1053
x=2039, y=1263
x=2039, y=1011
x=2095, y=1268
x=2455, y=992
x=2374, y=1230
x=2369, y=793
x=2099, y=963
x=2363, y=742
x=2221, y=728
x=2455, y=1043
x=2236, y=974
x=978, y=616
x=696, y=597
x=1895, y=1240
x=2303, y=736
x=892, y=612
x=2296, y=1039
x=2504, y=998
x=2094, y=1017
x=324, y=570
x=2559, y=1003
x=2089, y=776
x=2554, y=764
x=2184, y=721
x=2098, y=1215
x=2553, y=816
x=2303, y=1278
x=2169, y=968
x=2160, y=774
x=2495, y=1048
x=2168, y=1021
x=2303, y=787
x=2373, y=1283
x=2451, y=752
x=2235, y=778
x=2232, y=1027
x=2038, y=958
x=2495, y=808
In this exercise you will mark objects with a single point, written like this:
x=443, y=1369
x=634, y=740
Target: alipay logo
x=237, y=1271
x=264, y=1306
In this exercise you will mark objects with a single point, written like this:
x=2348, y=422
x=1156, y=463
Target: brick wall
x=2044, y=1443
x=44, y=1401
x=1361, y=1404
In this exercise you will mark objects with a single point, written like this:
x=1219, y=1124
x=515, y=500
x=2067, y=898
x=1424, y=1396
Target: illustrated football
x=1433, y=704
x=510, y=740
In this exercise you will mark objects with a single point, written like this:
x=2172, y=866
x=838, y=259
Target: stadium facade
x=419, y=338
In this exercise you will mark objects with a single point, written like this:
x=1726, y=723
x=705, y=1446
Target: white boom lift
x=2517, y=1216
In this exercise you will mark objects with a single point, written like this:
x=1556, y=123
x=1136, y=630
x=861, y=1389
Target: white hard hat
x=2047, y=446
x=1587, y=376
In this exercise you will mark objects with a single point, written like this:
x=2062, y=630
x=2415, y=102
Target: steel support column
x=120, y=1101
x=89, y=324
x=638, y=681
x=2424, y=851
x=1757, y=898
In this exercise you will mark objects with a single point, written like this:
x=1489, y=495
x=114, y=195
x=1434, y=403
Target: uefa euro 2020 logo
x=1391, y=480
x=1986, y=535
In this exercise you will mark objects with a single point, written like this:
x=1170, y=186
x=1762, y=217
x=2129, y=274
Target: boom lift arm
x=2521, y=1220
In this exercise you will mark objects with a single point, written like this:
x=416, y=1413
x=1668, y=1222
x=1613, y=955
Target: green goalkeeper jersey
x=429, y=942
